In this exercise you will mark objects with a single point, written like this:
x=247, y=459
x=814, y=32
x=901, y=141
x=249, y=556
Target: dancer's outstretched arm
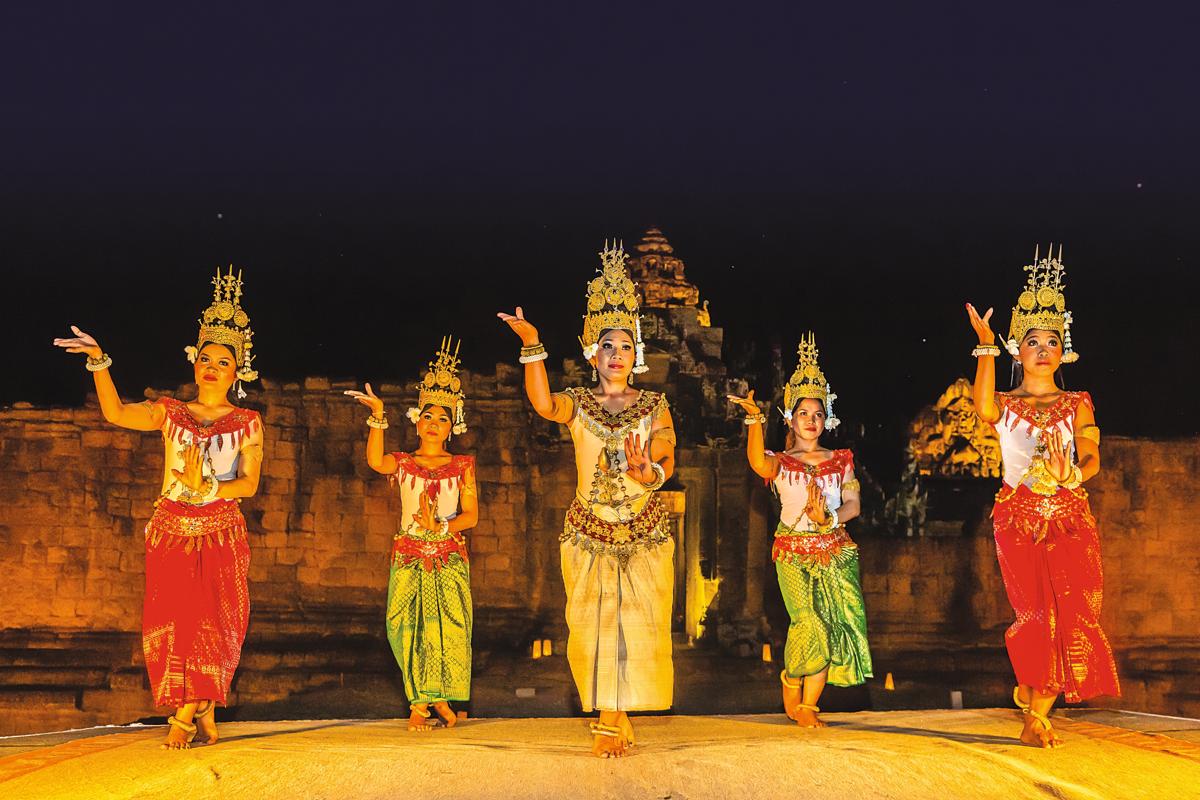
x=763, y=464
x=135, y=416
x=984, y=391
x=557, y=407
x=377, y=459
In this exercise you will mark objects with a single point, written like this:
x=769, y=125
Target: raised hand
x=815, y=507
x=79, y=343
x=1058, y=454
x=192, y=475
x=426, y=517
x=637, y=457
x=982, y=325
x=368, y=399
x=746, y=403
x=521, y=326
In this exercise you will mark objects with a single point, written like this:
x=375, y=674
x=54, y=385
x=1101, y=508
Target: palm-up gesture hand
x=521, y=326
x=79, y=343
x=368, y=399
x=746, y=403
x=981, y=325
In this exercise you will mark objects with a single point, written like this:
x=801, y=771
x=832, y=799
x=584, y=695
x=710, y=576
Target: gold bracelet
x=97, y=364
x=532, y=349
x=755, y=419
x=379, y=423
x=1075, y=480
x=992, y=350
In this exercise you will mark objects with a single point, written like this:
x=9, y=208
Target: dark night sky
x=384, y=176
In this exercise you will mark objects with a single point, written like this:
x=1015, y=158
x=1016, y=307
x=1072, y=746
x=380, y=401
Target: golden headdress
x=612, y=304
x=441, y=386
x=1042, y=305
x=226, y=322
x=808, y=381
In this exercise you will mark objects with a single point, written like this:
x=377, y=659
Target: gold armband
x=852, y=485
x=1089, y=432
x=663, y=433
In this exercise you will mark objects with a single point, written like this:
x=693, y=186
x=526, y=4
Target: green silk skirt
x=429, y=629
x=825, y=605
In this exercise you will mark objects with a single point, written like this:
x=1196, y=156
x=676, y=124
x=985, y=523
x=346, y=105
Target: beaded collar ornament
x=612, y=303
x=808, y=381
x=226, y=322
x=1042, y=305
x=441, y=386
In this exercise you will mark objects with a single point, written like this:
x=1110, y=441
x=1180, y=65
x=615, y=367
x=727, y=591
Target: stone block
x=274, y=521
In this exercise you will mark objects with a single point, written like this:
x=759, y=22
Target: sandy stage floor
x=897, y=754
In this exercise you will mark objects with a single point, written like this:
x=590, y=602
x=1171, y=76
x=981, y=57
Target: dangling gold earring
x=595, y=375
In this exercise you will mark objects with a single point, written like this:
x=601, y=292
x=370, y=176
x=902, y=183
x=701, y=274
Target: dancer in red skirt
x=1046, y=537
x=197, y=605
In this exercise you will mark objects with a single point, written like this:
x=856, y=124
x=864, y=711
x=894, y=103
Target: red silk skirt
x=1049, y=551
x=197, y=603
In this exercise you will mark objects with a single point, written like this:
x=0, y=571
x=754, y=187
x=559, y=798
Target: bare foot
x=447, y=715
x=206, y=723
x=608, y=746
x=806, y=716
x=179, y=736
x=791, y=697
x=418, y=721
x=627, y=730
x=1035, y=734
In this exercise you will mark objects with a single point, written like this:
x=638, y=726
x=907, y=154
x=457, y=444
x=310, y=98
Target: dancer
x=197, y=605
x=429, y=589
x=616, y=546
x=1046, y=537
x=815, y=560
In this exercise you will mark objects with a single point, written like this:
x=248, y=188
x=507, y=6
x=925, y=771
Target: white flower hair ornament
x=192, y=353
x=831, y=420
x=413, y=414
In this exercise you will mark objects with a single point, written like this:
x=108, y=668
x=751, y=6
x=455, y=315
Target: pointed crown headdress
x=226, y=322
x=1042, y=305
x=612, y=303
x=441, y=386
x=808, y=381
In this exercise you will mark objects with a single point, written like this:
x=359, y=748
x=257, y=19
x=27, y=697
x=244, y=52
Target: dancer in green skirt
x=429, y=592
x=815, y=560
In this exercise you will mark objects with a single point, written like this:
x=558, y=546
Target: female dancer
x=429, y=590
x=197, y=605
x=616, y=547
x=1046, y=537
x=815, y=560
